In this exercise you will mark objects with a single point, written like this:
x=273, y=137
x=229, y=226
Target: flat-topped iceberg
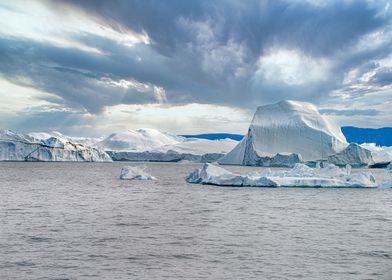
x=154, y=145
x=21, y=147
x=299, y=176
x=135, y=173
x=287, y=127
x=139, y=140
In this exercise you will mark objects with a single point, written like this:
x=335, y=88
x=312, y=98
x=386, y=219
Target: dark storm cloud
x=383, y=76
x=200, y=51
x=77, y=77
x=320, y=30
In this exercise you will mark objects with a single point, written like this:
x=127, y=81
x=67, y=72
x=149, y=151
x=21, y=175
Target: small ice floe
x=135, y=173
x=299, y=176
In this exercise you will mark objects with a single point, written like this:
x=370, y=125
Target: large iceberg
x=138, y=140
x=154, y=145
x=287, y=127
x=354, y=155
x=299, y=176
x=21, y=147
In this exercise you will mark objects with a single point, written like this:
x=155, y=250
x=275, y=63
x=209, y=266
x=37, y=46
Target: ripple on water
x=79, y=221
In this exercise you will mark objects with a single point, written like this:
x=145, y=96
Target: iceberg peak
x=288, y=127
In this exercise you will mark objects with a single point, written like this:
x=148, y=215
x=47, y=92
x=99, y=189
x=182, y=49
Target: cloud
x=225, y=53
x=382, y=76
x=368, y=112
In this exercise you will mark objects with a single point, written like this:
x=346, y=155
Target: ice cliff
x=290, y=128
x=353, y=154
x=21, y=147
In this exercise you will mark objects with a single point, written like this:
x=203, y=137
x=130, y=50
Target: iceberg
x=138, y=140
x=85, y=141
x=287, y=127
x=197, y=146
x=21, y=147
x=354, y=155
x=154, y=145
x=158, y=156
x=382, y=156
x=299, y=176
x=135, y=173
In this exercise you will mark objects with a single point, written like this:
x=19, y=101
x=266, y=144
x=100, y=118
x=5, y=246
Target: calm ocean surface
x=79, y=221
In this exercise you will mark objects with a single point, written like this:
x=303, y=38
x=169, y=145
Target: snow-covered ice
x=135, y=173
x=158, y=156
x=353, y=154
x=299, y=176
x=197, y=146
x=85, y=141
x=139, y=140
x=381, y=155
x=155, y=145
x=21, y=147
x=287, y=127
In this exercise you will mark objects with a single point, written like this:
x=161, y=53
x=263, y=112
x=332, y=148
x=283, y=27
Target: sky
x=95, y=67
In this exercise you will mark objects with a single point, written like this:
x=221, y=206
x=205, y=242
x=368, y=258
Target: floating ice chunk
x=135, y=173
x=299, y=176
x=214, y=175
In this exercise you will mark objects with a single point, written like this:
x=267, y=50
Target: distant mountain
x=380, y=136
x=215, y=136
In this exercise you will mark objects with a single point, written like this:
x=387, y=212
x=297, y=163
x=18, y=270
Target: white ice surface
x=198, y=146
x=289, y=127
x=380, y=154
x=354, y=155
x=153, y=140
x=21, y=147
x=85, y=141
x=138, y=140
x=299, y=176
x=135, y=173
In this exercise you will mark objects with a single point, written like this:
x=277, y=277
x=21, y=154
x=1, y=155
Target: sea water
x=79, y=221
